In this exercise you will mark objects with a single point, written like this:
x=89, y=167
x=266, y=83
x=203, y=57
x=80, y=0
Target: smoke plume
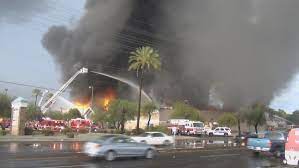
x=244, y=50
x=90, y=44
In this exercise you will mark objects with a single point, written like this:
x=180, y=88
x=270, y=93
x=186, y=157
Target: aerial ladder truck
x=52, y=99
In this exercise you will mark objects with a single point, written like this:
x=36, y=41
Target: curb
x=202, y=149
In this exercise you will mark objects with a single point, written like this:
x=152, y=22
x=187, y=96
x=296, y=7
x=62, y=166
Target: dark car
x=242, y=139
x=271, y=141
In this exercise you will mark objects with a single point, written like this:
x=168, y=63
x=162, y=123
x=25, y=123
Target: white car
x=220, y=131
x=154, y=138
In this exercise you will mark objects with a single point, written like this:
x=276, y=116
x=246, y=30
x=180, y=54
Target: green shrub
x=48, y=132
x=103, y=131
x=37, y=132
x=28, y=131
x=128, y=133
x=117, y=132
x=134, y=131
x=83, y=131
x=66, y=130
x=160, y=128
x=70, y=134
x=2, y=132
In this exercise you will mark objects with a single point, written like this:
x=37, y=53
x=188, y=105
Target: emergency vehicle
x=292, y=148
x=80, y=123
x=186, y=127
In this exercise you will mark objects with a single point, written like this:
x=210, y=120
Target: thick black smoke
x=247, y=49
x=92, y=44
x=244, y=49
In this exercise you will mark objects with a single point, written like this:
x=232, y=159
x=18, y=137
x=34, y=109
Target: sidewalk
x=79, y=137
x=42, y=138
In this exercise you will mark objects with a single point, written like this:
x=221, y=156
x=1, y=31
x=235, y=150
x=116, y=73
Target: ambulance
x=292, y=148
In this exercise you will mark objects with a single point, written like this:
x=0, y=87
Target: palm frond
x=144, y=58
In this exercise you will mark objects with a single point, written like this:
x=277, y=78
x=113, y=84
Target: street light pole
x=91, y=102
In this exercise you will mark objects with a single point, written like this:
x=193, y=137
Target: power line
x=27, y=85
x=41, y=87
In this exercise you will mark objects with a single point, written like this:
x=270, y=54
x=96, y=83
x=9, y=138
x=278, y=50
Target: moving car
x=154, y=138
x=220, y=131
x=113, y=146
x=292, y=148
x=269, y=142
x=244, y=137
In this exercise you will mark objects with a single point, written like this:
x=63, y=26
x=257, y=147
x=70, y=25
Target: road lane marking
x=224, y=155
x=66, y=166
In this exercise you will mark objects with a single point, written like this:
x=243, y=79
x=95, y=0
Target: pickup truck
x=269, y=142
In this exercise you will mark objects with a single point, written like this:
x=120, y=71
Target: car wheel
x=166, y=142
x=210, y=134
x=277, y=153
x=256, y=154
x=110, y=156
x=149, y=154
x=225, y=134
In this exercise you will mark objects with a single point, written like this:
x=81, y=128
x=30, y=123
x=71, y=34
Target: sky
x=23, y=58
x=25, y=61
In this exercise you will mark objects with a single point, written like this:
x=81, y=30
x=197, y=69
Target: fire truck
x=80, y=123
x=186, y=127
x=54, y=125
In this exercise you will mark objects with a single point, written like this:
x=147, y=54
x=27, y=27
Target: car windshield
x=261, y=135
x=122, y=139
x=275, y=136
x=198, y=124
x=144, y=135
x=105, y=137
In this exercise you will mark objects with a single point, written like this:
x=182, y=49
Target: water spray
x=130, y=83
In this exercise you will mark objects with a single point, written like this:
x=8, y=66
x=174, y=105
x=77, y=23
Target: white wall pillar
x=18, y=120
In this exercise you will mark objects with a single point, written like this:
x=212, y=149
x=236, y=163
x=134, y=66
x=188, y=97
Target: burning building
x=100, y=99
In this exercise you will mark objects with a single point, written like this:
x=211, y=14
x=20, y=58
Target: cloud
x=20, y=11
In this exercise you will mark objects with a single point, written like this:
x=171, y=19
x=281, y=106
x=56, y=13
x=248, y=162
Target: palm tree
x=49, y=95
x=149, y=108
x=36, y=93
x=142, y=60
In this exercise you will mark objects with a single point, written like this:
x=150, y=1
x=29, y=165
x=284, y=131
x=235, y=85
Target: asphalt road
x=207, y=158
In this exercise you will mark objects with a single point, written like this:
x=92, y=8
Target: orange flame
x=106, y=103
x=108, y=96
x=81, y=105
